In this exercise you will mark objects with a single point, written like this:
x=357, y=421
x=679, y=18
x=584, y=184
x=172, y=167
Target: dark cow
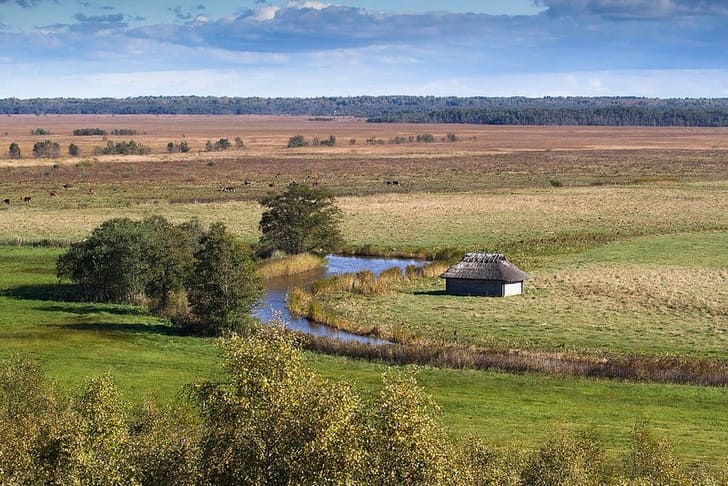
x=53, y=193
x=6, y=201
x=67, y=186
x=26, y=199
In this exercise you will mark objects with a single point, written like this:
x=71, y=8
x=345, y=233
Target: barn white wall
x=512, y=289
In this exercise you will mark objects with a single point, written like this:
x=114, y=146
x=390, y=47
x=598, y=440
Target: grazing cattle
x=395, y=183
x=53, y=193
x=6, y=201
x=26, y=199
x=271, y=184
x=247, y=183
x=91, y=191
x=67, y=186
x=389, y=183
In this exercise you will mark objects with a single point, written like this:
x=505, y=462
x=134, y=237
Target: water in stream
x=274, y=298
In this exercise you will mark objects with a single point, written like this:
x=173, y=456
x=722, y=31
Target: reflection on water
x=274, y=298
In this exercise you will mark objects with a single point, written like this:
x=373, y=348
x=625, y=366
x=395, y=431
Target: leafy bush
x=297, y=141
x=14, y=151
x=425, y=138
x=40, y=131
x=220, y=145
x=46, y=149
x=174, y=147
x=123, y=131
x=123, y=148
x=88, y=132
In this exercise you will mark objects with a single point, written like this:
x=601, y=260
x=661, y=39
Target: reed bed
x=657, y=369
x=286, y=265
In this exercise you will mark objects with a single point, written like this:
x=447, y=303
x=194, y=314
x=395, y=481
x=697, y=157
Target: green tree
x=73, y=150
x=111, y=264
x=224, y=284
x=300, y=219
x=14, y=151
x=170, y=256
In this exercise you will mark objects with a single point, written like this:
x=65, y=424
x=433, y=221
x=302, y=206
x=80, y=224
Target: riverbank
x=286, y=265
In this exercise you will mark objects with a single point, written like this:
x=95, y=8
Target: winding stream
x=276, y=289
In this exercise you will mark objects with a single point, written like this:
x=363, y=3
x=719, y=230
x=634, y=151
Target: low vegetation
x=271, y=419
x=285, y=265
x=123, y=148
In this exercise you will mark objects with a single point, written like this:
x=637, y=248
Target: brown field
x=266, y=134
x=485, y=158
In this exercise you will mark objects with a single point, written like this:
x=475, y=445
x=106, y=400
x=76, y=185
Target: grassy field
x=660, y=295
x=148, y=360
x=623, y=231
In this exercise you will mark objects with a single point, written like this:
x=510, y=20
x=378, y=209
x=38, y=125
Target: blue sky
x=91, y=48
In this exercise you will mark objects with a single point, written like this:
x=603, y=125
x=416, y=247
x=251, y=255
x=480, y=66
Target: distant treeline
x=480, y=110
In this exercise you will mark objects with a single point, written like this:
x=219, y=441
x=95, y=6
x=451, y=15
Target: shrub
x=239, y=144
x=46, y=149
x=425, y=138
x=174, y=147
x=451, y=137
x=555, y=182
x=123, y=148
x=297, y=141
x=87, y=132
x=73, y=150
x=40, y=131
x=220, y=145
x=14, y=151
x=123, y=131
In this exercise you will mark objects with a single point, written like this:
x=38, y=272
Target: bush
x=73, y=150
x=14, y=151
x=40, y=131
x=425, y=138
x=220, y=145
x=297, y=141
x=174, y=147
x=123, y=148
x=46, y=149
x=123, y=131
x=87, y=132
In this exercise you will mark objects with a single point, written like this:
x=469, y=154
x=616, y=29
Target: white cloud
x=267, y=12
x=308, y=4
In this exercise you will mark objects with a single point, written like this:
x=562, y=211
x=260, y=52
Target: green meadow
x=150, y=361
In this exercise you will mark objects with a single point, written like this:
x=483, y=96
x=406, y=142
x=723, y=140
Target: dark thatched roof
x=485, y=266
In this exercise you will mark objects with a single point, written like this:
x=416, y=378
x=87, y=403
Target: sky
x=303, y=48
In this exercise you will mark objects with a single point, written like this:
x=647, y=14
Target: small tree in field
x=299, y=220
x=224, y=284
x=73, y=150
x=14, y=151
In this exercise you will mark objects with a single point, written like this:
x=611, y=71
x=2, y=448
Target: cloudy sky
x=90, y=48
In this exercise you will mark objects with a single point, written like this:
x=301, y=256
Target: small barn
x=485, y=274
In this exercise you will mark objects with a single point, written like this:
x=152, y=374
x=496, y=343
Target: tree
x=73, y=150
x=46, y=149
x=224, y=284
x=14, y=151
x=297, y=141
x=111, y=264
x=300, y=219
x=276, y=421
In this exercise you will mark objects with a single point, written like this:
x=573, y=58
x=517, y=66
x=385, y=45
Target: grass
x=605, y=301
x=523, y=409
x=75, y=340
x=287, y=265
x=148, y=360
